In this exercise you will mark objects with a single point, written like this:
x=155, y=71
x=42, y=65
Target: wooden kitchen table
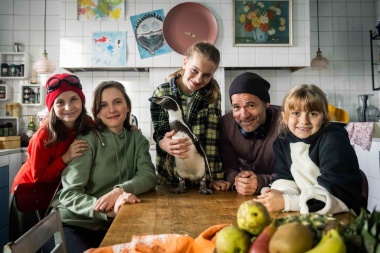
x=162, y=212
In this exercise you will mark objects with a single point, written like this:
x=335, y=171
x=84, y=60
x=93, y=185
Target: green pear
x=292, y=238
x=253, y=217
x=231, y=239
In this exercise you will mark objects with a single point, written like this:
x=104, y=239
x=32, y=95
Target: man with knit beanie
x=247, y=133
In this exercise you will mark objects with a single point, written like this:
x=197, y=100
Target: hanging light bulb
x=319, y=62
x=44, y=65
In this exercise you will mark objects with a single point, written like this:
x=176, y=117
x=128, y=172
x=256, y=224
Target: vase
x=259, y=35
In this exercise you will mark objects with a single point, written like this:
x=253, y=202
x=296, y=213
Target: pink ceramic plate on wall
x=189, y=23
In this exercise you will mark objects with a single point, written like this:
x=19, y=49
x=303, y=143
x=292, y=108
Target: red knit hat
x=60, y=83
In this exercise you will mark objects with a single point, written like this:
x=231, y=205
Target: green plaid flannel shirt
x=201, y=117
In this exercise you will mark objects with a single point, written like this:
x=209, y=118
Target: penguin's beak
x=155, y=100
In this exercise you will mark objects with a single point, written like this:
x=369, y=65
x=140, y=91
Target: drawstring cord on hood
x=117, y=156
x=115, y=145
x=100, y=137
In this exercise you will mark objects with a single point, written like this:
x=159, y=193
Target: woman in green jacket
x=116, y=168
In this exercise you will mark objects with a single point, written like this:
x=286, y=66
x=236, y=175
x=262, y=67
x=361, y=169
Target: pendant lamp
x=319, y=62
x=44, y=65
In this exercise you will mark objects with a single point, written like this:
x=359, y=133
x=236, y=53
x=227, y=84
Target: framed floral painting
x=262, y=23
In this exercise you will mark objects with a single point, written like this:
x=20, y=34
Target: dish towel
x=166, y=243
x=360, y=133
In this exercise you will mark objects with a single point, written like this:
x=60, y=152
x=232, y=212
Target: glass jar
x=16, y=110
x=13, y=70
x=10, y=128
x=6, y=131
x=2, y=92
x=18, y=70
x=4, y=69
x=22, y=69
x=366, y=111
x=8, y=110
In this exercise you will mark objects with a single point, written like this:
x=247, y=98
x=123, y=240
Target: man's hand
x=220, y=185
x=246, y=183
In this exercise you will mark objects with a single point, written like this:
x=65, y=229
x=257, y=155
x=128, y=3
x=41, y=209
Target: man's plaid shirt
x=201, y=117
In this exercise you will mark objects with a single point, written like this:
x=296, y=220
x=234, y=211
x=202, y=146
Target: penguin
x=195, y=166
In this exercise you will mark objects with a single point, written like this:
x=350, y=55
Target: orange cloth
x=166, y=243
x=338, y=114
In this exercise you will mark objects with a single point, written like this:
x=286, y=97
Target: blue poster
x=109, y=49
x=149, y=35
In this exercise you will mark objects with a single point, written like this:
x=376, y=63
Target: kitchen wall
x=344, y=41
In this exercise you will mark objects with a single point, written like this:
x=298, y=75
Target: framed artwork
x=100, y=10
x=149, y=35
x=262, y=23
x=109, y=49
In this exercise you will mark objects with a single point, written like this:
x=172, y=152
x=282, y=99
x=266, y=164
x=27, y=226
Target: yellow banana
x=330, y=242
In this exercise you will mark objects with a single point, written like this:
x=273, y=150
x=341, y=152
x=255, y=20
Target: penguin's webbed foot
x=178, y=190
x=181, y=187
x=205, y=191
x=203, y=188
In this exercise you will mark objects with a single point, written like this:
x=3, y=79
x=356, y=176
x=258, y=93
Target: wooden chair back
x=39, y=234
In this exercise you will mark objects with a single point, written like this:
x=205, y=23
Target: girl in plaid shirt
x=199, y=95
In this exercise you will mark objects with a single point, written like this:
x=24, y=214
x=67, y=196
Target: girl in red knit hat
x=54, y=145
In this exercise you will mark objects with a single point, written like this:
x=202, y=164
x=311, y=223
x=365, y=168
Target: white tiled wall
x=369, y=162
x=344, y=40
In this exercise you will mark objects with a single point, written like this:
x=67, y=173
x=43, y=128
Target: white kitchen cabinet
x=16, y=58
x=10, y=164
x=369, y=163
x=4, y=206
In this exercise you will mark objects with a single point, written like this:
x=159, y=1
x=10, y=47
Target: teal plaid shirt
x=201, y=117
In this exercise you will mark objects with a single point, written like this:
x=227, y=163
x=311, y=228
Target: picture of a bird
x=195, y=166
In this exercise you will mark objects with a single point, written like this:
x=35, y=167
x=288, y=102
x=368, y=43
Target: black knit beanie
x=251, y=83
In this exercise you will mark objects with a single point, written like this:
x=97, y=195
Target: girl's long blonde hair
x=211, y=53
x=303, y=97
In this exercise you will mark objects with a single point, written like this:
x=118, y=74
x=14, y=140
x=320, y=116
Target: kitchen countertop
x=12, y=151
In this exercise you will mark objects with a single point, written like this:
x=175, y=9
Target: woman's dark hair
x=98, y=100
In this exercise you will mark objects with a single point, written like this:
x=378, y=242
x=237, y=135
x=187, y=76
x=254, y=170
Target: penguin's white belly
x=193, y=167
